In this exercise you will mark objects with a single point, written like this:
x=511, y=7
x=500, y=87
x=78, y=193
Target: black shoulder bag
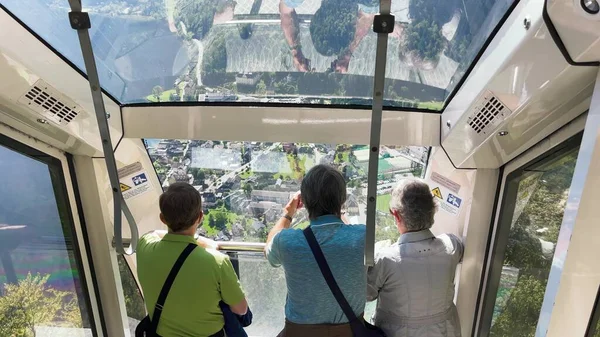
x=147, y=327
x=359, y=327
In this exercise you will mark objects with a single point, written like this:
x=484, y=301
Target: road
x=199, y=64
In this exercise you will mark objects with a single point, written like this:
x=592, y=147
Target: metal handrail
x=80, y=21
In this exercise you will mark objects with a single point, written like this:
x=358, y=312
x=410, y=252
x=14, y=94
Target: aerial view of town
x=244, y=185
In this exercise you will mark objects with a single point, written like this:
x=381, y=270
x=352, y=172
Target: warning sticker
x=449, y=184
x=437, y=193
x=134, y=181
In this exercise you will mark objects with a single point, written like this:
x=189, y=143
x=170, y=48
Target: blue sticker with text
x=453, y=200
x=139, y=179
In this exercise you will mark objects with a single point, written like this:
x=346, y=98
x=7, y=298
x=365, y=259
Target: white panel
x=544, y=93
x=574, y=277
x=472, y=224
x=279, y=124
x=99, y=231
x=579, y=31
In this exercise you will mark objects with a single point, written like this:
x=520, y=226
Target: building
x=262, y=207
x=249, y=79
x=180, y=176
x=281, y=198
x=209, y=200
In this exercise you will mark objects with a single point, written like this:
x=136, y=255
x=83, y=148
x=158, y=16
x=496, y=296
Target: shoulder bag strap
x=167, y=286
x=326, y=271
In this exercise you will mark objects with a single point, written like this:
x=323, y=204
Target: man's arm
x=291, y=30
x=363, y=26
x=375, y=279
x=231, y=289
x=202, y=241
x=283, y=223
x=240, y=308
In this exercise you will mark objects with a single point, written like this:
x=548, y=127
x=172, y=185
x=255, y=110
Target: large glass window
x=41, y=288
x=528, y=227
x=284, y=51
x=244, y=185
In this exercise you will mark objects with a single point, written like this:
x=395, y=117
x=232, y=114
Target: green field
x=164, y=97
x=431, y=105
x=383, y=202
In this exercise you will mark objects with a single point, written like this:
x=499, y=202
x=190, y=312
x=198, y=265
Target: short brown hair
x=180, y=206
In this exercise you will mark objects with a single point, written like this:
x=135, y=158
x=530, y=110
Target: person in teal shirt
x=310, y=307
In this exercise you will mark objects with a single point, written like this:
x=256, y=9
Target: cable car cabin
x=103, y=104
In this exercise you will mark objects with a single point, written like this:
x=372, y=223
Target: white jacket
x=413, y=281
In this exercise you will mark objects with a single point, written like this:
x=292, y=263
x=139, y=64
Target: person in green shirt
x=206, y=278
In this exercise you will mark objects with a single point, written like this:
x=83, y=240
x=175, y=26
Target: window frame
x=564, y=139
x=594, y=317
x=61, y=164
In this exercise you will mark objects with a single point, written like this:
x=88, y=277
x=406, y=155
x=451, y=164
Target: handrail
x=225, y=246
x=80, y=21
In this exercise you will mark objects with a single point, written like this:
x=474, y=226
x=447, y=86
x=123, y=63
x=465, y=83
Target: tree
x=285, y=88
x=196, y=15
x=31, y=302
x=157, y=91
x=332, y=27
x=134, y=303
x=261, y=88
x=247, y=189
x=425, y=38
x=215, y=57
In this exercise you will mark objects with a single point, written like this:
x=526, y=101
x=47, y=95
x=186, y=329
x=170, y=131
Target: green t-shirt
x=206, y=277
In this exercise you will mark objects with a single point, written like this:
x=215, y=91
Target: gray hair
x=323, y=191
x=412, y=198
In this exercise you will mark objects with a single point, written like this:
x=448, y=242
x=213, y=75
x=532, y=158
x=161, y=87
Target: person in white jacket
x=413, y=279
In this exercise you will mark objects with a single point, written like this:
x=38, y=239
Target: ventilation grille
x=488, y=111
x=50, y=103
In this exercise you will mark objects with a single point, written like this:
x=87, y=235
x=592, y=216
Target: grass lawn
x=383, y=202
x=164, y=97
x=431, y=105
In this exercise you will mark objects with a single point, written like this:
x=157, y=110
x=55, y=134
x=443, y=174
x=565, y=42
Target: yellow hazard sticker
x=124, y=187
x=436, y=192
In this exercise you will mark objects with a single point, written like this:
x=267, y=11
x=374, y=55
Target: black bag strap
x=167, y=286
x=326, y=271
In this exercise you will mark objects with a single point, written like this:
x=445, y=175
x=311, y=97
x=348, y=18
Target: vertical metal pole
x=378, y=86
x=80, y=22
x=9, y=268
x=235, y=262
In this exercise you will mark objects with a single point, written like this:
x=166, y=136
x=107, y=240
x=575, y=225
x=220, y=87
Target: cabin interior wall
x=470, y=222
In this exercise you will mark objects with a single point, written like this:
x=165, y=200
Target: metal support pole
x=80, y=21
x=9, y=268
x=382, y=25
